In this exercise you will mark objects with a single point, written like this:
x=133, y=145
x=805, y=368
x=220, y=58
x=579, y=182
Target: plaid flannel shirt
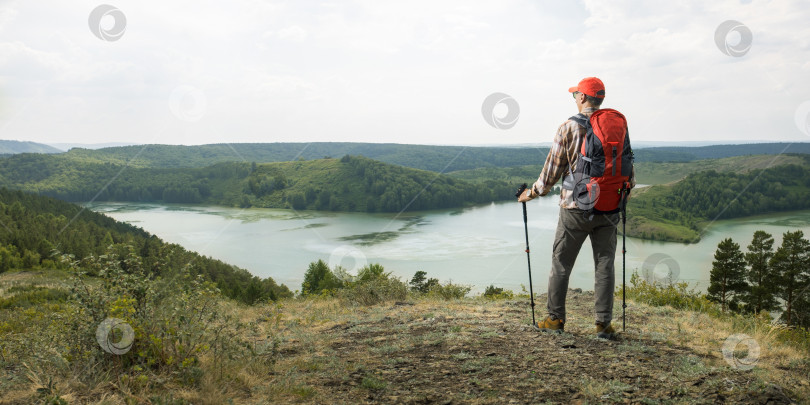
x=565, y=151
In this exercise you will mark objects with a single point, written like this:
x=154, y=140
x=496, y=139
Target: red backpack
x=605, y=163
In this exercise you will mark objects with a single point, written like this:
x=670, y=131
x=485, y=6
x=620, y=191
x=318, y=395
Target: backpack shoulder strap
x=580, y=119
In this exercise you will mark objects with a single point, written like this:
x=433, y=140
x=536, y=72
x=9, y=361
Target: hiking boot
x=551, y=324
x=605, y=331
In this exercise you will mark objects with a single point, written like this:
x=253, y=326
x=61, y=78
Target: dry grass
x=425, y=350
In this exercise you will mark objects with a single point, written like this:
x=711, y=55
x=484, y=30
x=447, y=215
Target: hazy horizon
x=66, y=146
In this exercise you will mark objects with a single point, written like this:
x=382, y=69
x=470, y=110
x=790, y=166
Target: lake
x=477, y=246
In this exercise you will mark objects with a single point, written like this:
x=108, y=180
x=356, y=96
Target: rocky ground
x=482, y=352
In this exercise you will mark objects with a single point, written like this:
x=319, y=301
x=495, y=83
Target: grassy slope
x=466, y=351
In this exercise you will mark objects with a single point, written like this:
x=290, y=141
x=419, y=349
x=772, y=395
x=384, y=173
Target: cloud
x=413, y=72
x=293, y=33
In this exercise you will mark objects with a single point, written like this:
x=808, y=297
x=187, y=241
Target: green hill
x=689, y=153
x=664, y=172
x=13, y=147
x=346, y=184
x=679, y=211
x=425, y=157
x=35, y=228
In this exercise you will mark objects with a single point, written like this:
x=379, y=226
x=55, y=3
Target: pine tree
x=790, y=264
x=761, y=295
x=727, y=278
x=319, y=278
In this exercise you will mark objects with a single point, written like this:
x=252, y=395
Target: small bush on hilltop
x=449, y=291
x=372, y=284
x=495, y=293
x=676, y=295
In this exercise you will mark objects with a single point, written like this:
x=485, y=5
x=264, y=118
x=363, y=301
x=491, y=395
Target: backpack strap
x=580, y=119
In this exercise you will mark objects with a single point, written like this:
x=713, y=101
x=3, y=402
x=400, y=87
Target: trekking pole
x=624, y=251
x=528, y=258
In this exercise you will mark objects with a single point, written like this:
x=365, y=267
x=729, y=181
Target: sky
x=418, y=72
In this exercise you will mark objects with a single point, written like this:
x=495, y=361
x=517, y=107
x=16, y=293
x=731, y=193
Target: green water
x=477, y=246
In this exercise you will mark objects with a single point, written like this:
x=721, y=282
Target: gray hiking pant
x=572, y=229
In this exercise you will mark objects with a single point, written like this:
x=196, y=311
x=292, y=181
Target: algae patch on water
x=368, y=239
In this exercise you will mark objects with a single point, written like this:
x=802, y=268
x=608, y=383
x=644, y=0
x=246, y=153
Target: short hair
x=594, y=101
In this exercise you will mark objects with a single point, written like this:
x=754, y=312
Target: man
x=573, y=227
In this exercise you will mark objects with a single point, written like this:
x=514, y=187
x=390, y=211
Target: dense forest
x=426, y=157
x=677, y=212
x=351, y=183
x=37, y=231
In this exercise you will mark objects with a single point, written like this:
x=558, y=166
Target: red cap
x=591, y=86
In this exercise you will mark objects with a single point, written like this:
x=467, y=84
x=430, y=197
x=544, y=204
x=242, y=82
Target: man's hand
x=527, y=195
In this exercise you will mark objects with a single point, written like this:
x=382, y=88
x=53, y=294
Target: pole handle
x=522, y=188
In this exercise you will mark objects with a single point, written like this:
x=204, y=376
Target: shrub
x=493, y=292
x=449, y=291
x=676, y=295
x=24, y=297
x=371, y=286
x=174, y=322
x=375, y=291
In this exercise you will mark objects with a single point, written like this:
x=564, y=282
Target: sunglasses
x=575, y=94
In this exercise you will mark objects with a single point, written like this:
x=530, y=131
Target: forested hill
x=687, y=153
x=346, y=184
x=426, y=157
x=680, y=211
x=33, y=229
x=12, y=147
